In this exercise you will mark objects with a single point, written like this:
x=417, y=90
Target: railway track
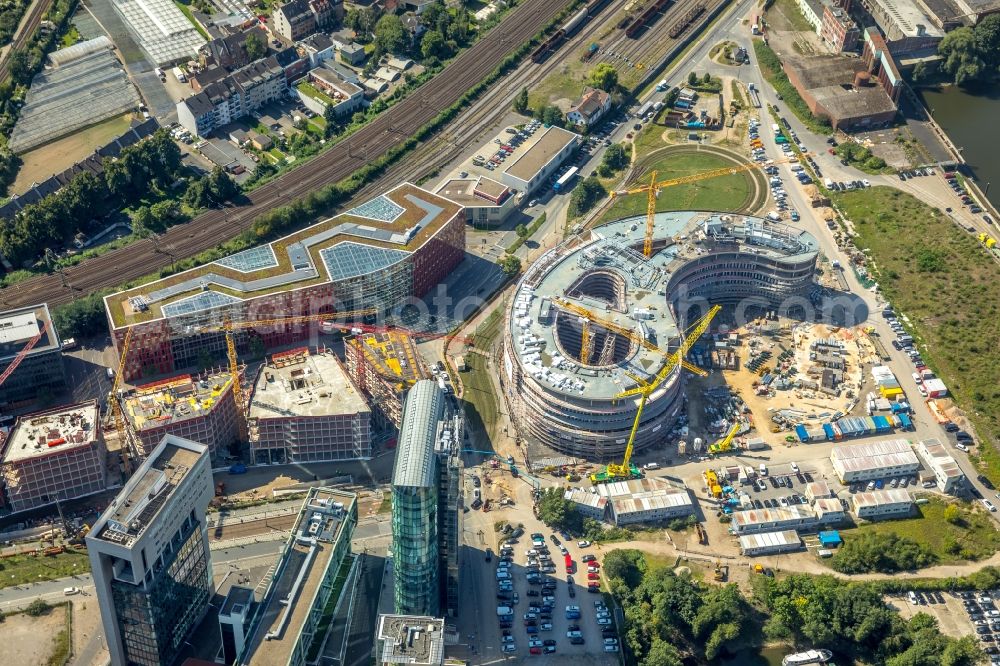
x=375, y=139
x=36, y=13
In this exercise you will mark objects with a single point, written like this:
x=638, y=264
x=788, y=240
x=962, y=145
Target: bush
x=37, y=608
x=881, y=552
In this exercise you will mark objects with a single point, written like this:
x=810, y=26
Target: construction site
x=384, y=365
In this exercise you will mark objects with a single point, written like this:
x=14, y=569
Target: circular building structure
x=699, y=259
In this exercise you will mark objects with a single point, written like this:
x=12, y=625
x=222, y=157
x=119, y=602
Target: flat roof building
x=161, y=30
x=384, y=365
x=770, y=520
x=839, y=89
x=770, y=543
x=305, y=408
x=318, y=550
x=892, y=503
x=540, y=160
x=829, y=511
x=947, y=474
x=646, y=500
x=817, y=490
x=588, y=504
x=487, y=202
x=149, y=556
x=410, y=639
x=58, y=454
x=368, y=259
x=875, y=460
x=908, y=28
x=197, y=407
x=40, y=372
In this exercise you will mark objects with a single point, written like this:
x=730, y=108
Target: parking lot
x=958, y=614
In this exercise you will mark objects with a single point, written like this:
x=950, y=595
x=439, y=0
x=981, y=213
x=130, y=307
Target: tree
x=37, y=607
x=693, y=79
x=433, y=45
x=521, y=101
x=952, y=514
x=961, y=56
x=557, y=512
x=390, y=35
x=616, y=157
x=521, y=231
x=627, y=565
x=142, y=222
x=19, y=66
x=255, y=45
x=585, y=196
x=551, y=115
x=707, y=78
x=605, y=77
x=510, y=264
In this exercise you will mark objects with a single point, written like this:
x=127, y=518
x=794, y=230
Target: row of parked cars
x=879, y=484
x=983, y=615
x=959, y=189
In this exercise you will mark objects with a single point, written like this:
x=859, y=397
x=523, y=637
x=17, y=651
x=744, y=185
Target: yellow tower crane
x=626, y=469
x=652, y=190
x=116, y=406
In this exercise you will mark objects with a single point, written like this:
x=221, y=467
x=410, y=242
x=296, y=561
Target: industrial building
x=487, y=202
x=409, y=639
x=948, y=476
x=427, y=505
x=368, y=259
x=197, y=407
x=878, y=504
x=305, y=408
x=840, y=89
x=58, y=454
x=161, y=30
x=588, y=504
x=875, y=460
x=908, y=27
x=829, y=511
x=571, y=407
x=771, y=520
x=149, y=556
x=770, y=543
x=28, y=333
x=318, y=551
x=384, y=366
x=540, y=159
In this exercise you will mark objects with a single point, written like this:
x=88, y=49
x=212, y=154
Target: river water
x=970, y=120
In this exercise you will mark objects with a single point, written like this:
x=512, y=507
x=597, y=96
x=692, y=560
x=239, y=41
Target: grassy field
x=59, y=155
x=732, y=192
x=947, y=285
x=481, y=402
x=25, y=569
x=564, y=84
x=791, y=14
x=974, y=537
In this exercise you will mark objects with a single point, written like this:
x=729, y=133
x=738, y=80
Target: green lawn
x=946, y=283
x=481, y=401
x=315, y=93
x=732, y=192
x=790, y=10
x=973, y=538
x=186, y=10
x=25, y=569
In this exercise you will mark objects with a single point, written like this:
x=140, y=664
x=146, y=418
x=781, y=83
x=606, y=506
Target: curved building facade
x=700, y=259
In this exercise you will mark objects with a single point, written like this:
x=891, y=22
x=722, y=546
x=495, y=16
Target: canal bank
x=970, y=121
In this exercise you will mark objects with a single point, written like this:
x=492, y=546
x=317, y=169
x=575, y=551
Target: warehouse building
x=770, y=543
x=487, y=203
x=305, y=408
x=40, y=371
x=588, y=504
x=161, y=30
x=384, y=365
x=368, y=260
x=770, y=520
x=948, y=475
x=318, y=553
x=57, y=454
x=840, y=89
x=908, y=28
x=829, y=511
x=540, y=160
x=201, y=408
x=646, y=500
x=876, y=460
x=878, y=504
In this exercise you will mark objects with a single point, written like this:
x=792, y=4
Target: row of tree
x=146, y=168
x=672, y=620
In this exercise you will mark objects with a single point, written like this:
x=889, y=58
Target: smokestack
x=862, y=80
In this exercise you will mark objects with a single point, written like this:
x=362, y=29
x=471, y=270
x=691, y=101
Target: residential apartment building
x=149, y=556
x=317, y=48
x=326, y=88
x=58, y=454
x=40, y=371
x=427, y=505
x=233, y=96
x=227, y=52
x=300, y=18
x=305, y=408
x=285, y=623
x=591, y=107
x=197, y=407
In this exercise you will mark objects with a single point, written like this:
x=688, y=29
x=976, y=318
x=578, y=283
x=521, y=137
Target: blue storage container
x=800, y=431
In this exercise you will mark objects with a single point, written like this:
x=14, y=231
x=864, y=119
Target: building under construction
x=384, y=366
x=53, y=455
x=305, y=408
x=196, y=407
x=28, y=338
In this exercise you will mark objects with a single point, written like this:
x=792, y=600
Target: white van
x=504, y=610
x=763, y=469
x=70, y=591
x=651, y=465
x=773, y=216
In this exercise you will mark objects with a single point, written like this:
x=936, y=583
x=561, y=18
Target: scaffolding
x=384, y=366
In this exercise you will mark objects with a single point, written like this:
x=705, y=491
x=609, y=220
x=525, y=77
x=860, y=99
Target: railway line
x=36, y=12
x=375, y=139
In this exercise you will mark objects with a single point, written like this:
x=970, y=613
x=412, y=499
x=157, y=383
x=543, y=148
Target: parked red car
x=593, y=576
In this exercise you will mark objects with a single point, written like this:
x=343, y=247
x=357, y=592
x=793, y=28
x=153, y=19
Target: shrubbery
x=881, y=552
